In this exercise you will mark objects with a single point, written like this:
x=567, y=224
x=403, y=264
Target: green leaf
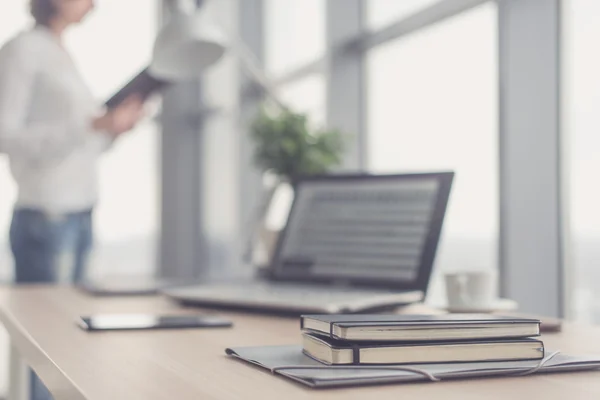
x=285, y=144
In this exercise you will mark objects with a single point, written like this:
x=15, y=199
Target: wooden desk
x=191, y=364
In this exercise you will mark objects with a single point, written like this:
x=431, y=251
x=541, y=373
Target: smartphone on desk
x=113, y=322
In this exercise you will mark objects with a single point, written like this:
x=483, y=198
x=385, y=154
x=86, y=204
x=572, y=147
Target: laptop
x=352, y=243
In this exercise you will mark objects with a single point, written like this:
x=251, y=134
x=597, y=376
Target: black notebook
x=376, y=327
x=142, y=85
x=337, y=352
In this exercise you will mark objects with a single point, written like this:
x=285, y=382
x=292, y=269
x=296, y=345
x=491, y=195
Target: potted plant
x=287, y=147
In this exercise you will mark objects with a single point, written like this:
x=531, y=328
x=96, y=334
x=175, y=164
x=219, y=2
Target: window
x=304, y=96
x=7, y=200
x=294, y=33
x=13, y=19
x=127, y=215
x=384, y=12
x=128, y=212
x=432, y=105
x=307, y=96
x=582, y=131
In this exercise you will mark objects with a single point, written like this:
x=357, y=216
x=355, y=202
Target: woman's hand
x=121, y=119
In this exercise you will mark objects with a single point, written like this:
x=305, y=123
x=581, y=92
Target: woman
x=52, y=133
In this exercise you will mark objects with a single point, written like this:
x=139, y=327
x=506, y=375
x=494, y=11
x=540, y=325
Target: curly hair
x=43, y=11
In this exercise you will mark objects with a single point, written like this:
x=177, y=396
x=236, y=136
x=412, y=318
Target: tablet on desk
x=111, y=322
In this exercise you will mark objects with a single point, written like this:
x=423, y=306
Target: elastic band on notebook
x=421, y=372
x=426, y=374
x=539, y=366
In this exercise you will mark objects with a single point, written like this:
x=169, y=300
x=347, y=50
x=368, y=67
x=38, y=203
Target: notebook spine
x=355, y=355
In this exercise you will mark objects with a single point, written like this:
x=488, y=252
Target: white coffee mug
x=470, y=289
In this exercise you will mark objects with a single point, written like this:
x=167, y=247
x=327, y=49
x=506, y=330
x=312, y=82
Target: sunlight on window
x=307, y=96
x=582, y=89
x=14, y=18
x=381, y=13
x=294, y=33
x=113, y=45
x=433, y=106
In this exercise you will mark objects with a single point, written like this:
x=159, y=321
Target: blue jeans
x=49, y=249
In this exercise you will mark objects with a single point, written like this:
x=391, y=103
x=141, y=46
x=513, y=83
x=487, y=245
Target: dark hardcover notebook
x=337, y=352
x=376, y=327
x=143, y=85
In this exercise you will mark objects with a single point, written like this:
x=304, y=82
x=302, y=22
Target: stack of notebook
x=416, y=339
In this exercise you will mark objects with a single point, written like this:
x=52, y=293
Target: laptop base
x=291, y=298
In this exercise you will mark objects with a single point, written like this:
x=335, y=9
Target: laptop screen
x=364, y=228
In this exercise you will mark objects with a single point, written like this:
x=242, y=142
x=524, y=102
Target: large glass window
x=432, y=105
x=307, y=96
x=294, y=33
x=384, y=12
x=582, y=131
x=13, y=19
x=110, y=47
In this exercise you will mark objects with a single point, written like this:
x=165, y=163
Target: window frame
x=343, y=65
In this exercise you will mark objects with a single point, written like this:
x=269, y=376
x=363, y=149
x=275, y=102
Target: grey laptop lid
x=364, y=230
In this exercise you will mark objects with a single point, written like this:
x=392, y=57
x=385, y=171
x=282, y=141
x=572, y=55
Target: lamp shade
x=186, y=46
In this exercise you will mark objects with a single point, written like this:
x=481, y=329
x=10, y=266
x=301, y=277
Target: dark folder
x=290, y=362
x=142, y=85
